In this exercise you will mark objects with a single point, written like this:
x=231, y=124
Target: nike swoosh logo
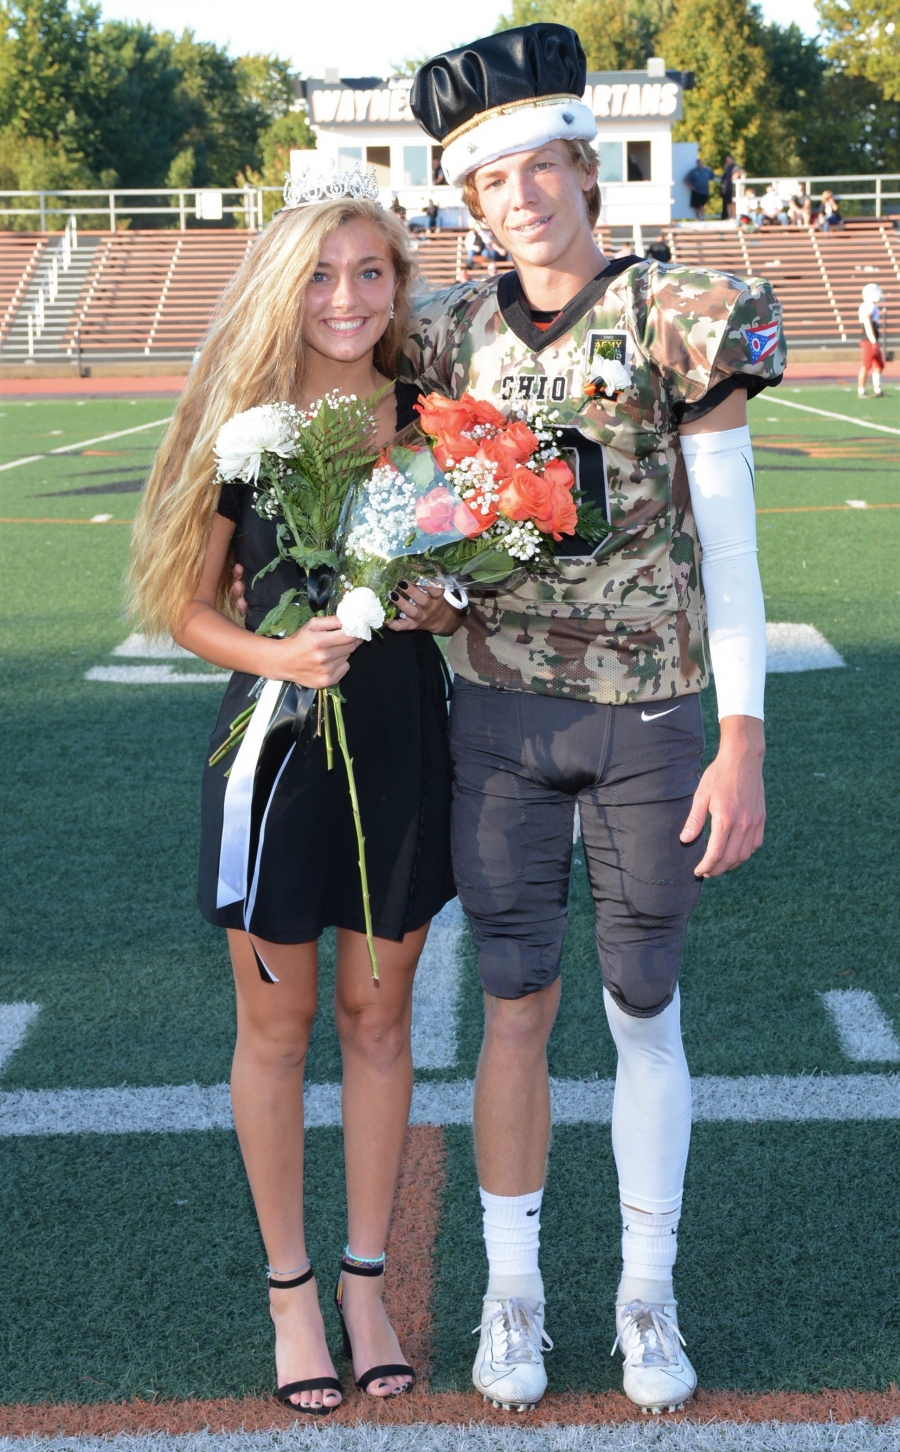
x=530, y=1212
x=656, y=714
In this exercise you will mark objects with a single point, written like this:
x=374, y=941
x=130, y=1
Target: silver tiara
x=315, y=186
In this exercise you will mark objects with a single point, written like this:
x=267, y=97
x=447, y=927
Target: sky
x=359, y=37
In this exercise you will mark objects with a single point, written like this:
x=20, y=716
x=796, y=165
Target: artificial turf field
x=131, y=1262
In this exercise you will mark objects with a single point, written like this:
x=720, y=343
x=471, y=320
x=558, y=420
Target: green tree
x=137, y=118
x=862, y=38
x=730, y=108
x=222, y=124
x=616, y=34
x=275, y=144
x=265, y=81
x=45, y=70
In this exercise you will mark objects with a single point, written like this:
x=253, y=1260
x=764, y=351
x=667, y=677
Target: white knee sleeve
x=651, y=1121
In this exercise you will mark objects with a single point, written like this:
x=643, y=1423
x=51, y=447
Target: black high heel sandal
x=375, y=1373
x=313, y=1383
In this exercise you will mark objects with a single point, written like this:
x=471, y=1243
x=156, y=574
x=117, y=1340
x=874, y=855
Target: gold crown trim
x=508, y=108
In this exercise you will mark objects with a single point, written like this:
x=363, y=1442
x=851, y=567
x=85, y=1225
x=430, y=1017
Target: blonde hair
x=254, y=353
x=583, y=158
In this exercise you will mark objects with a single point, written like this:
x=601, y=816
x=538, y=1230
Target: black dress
x=396, y=719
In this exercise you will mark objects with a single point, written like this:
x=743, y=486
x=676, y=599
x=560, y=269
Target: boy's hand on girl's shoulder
x=236, y=592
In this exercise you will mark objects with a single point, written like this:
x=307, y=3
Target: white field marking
x=856, y=504
x=436, y=989
x=159, y=675
x=100, y=518
x=138, y=647
x=798, y=648
x=15, y=1021
x=656, y=1433
x=841, y=417
x=179, y=1108
x=85, y=443
x=865, y=1033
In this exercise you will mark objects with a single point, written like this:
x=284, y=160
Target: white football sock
x=649, y=1248
x=651, y=1129
x=512, y=1237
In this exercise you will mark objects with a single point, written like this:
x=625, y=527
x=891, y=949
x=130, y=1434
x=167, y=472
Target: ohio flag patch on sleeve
x=762, y=341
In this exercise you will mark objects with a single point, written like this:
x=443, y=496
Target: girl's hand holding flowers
x=318, y=654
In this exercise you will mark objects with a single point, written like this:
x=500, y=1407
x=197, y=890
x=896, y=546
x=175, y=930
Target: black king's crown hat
x=513, y=91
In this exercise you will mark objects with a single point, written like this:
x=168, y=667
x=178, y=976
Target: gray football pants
x=521, y=762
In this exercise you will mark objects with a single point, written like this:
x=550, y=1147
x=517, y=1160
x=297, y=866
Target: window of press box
x=416, y=166
x=639, y=161
x=379, y=157
x=609, y=156
x=348, y=156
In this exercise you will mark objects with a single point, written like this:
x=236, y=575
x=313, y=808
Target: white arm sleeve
x=720, y=474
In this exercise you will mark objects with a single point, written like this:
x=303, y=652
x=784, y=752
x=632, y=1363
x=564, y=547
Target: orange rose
x=444, y=416
x=544, y=500
x=484, y=412
x=434, y=511
x=485, y=517
x=467, y=523
x=558, y=472
x=562, y=517
x=525, y=495
x=525, y=442
x=450, y=448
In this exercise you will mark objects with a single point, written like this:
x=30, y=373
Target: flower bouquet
x=480, y=499
x=301, y=465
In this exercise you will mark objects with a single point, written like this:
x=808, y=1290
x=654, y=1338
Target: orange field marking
x=409, y=1284
x=257, y=1414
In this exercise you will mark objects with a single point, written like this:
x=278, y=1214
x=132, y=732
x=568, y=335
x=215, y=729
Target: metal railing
x=878, y=193
x=49, y=286
x=118, y=206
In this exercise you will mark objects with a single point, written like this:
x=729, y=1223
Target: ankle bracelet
x=270, y=1271
x=363, y=1260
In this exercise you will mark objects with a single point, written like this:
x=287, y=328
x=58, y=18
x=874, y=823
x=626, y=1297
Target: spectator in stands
x=660, y=249
x=749, y=210
x=398, y=210
x=870, y=321
x=727, y=187
x=800, y=207
x=698, y=179
x=479, y=242
x=437, y=174
x=829, y=218
x=432, y=212
x=773, y=208
x=737, y=175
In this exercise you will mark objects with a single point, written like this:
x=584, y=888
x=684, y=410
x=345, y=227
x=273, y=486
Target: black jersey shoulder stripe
x=516, y=314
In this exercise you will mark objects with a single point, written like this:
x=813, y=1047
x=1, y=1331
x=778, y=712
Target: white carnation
x=241, y=441
x=614, y=374
x=360, y=612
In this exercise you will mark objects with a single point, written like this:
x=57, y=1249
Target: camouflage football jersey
x=628, y=621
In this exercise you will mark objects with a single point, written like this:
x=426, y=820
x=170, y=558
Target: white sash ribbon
x=235, y=851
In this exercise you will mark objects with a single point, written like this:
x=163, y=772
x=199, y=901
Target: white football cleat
x=509, y=1364
x=657, y=1374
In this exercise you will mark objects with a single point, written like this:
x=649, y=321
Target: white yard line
x=656, y=1433
x=865, y=1033
x=85, y=443
x=798, y=648
x=154, y=675
x=15, y=1021
x=841, y=417
x=176, y=1109
x=138, y=647
x=436, y=989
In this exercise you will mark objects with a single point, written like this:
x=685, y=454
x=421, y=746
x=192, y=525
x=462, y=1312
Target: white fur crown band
x=520, y=126
x=315, y=186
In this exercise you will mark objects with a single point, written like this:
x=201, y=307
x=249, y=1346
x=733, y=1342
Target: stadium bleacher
x=149, y=295
x=20, y=253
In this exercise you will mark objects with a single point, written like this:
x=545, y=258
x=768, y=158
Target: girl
x=320, y=303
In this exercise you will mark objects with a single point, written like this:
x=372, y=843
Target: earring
x=392, y=308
